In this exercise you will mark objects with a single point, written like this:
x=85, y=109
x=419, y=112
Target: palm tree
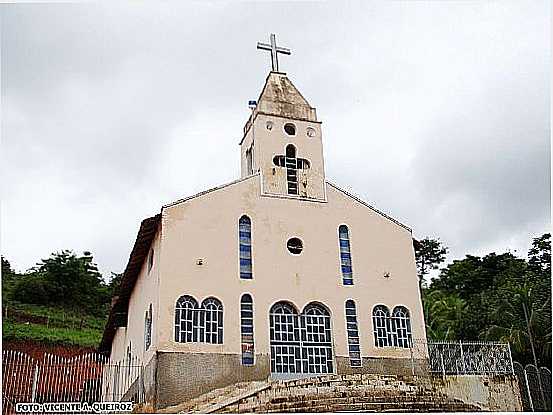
x=523, y=319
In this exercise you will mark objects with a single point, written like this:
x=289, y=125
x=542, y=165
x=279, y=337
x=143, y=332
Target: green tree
x=539, y=255
x=496, y=297
x=444, y=314
x=114, y=282
x=65, y=280
x=521, y=307
x=8, y=279
x=523, y=320
x=429, y=254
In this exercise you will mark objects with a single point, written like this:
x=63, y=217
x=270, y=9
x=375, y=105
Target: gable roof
x=120, y=301
x=357, y=199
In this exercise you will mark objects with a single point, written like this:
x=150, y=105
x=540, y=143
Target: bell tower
x=282, y=139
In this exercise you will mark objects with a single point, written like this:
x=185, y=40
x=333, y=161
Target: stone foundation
x=493, y=392
x=182, y=376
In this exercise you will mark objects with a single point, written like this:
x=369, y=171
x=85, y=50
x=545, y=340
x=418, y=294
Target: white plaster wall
x=207, y=227
x=269, y=143
x=145, y=292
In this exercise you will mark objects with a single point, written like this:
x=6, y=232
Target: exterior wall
x=493, y=393
x=269, y=143
x=207, y=227
x=118, y=344
x=145, y=292
x=182, y=376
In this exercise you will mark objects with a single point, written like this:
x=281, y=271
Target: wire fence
x=87, y=378
x=535, y=387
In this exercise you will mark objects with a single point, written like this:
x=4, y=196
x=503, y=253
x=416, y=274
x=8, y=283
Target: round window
x=290, y=129
x=311, y=132
x=295, y=246
x=269, y=125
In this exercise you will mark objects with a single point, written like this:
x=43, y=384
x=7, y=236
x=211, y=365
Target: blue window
x=353, y=334
x=246, y=329
x=245, y=237
x=345, y=255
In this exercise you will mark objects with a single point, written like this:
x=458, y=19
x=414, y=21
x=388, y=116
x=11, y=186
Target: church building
x=279, y=274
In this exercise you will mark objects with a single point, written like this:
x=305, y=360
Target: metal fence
x=461, y=357
x=95, y=378
x=87, y=378
x=535, y=387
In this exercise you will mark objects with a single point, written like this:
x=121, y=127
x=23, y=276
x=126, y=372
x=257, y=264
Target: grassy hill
x=43, y=324
x=63, y=300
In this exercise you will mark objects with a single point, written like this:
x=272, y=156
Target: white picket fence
x=90, y=377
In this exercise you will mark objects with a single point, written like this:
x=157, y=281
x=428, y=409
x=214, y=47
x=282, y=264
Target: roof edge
x=213, y=189
x=146, y=234
x=358, y=199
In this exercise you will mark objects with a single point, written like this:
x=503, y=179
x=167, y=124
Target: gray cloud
x=436, y=112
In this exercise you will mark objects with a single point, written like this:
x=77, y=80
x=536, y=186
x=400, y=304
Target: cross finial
x=274, y=51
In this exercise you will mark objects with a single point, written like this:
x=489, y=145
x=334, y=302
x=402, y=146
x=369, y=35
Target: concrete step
x=329, y=393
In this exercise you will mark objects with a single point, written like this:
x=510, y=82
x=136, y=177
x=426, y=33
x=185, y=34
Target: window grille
x=353, y=334
x=345, y=255
x=198, y=324
x=381, y=325
x=394, y=330
x=291, y=170
x=401, y=327
x=213, y=310
x=246, y=329
x=245, y=237
x=148, y=328
x=186, y=320
x=300, y=343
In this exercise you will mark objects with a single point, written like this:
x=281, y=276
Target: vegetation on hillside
x=63, y=300
x=494, y=297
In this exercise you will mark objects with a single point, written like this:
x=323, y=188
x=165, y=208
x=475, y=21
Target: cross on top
x=274, y=51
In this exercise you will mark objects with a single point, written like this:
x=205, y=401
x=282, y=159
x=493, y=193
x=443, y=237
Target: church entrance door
x=301, y=344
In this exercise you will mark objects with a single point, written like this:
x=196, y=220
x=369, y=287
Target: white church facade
x=278, y=274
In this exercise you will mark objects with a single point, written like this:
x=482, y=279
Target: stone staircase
x=331, y=393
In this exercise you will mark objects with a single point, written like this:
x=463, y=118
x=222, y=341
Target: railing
x=535, y=387
x=94, y=378
x=464, y=357
x=87, y=378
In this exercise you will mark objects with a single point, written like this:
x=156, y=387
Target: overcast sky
x=435, y=112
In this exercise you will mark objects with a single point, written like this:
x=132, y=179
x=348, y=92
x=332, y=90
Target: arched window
x=186, y=320
x=316, y=323
x=401, y=327
x=381, y=325
x=300, y=343
x=285, y=339
x=213, y=321
x=353, y=334
x=246, y=329
x=245, y=238
x=345, y=255
x=148, y=328
x=316, y=336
